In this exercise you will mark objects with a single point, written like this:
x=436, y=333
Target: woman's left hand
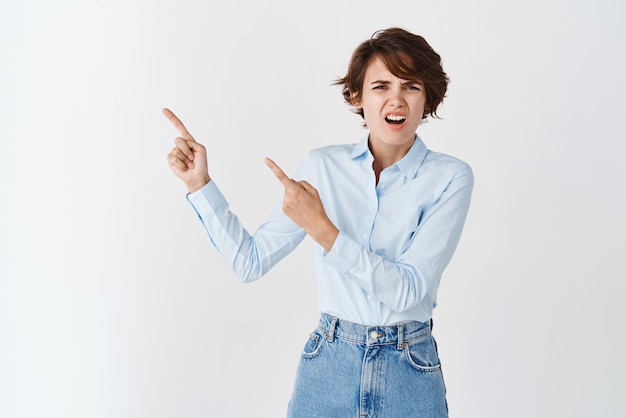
x=303, y=205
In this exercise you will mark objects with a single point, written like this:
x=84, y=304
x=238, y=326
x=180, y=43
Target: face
x=392, y=108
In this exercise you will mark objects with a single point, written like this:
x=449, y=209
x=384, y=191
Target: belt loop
x=400, y=336
x=331, y=330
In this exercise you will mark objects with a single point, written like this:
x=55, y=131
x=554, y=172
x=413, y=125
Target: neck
x=386, y=156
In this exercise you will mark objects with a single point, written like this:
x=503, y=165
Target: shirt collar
x=360, y=148
x=408, y=165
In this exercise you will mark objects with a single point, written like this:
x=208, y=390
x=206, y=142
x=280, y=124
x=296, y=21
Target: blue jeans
x=355, y=371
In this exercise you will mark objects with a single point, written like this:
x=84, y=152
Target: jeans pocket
x=314, y=345
x=422, y=354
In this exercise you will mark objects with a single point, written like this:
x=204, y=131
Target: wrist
x=194, y=186
x=326, y=235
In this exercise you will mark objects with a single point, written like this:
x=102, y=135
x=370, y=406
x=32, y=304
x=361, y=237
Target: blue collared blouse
x=396, y=237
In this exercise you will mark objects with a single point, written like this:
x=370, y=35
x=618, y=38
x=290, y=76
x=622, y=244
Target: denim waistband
x=373, y=335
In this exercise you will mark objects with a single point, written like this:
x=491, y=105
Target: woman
x=387, y=214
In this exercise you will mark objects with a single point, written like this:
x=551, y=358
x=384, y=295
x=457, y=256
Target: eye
x=415, y=87
x=380, y=87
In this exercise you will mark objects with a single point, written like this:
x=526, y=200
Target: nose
x=396, y=96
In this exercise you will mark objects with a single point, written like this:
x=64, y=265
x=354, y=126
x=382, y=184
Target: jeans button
x=373, y=334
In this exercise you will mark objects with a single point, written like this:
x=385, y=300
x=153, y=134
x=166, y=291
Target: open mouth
x=395, y=119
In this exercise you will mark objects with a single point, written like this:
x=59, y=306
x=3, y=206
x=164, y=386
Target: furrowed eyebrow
x=406, y=83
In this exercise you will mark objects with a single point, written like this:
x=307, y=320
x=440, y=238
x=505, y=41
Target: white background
x=114, y=304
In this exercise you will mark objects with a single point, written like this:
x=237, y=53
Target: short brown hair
x=407, y=56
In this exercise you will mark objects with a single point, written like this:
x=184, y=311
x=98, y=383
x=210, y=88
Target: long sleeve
x=249, y=256
x=397, y=234
x=402, y=283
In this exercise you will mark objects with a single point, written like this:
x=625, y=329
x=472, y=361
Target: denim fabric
x=355, y=371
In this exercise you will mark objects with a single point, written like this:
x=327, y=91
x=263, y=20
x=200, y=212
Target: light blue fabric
x=351, y=370
x=396, y=237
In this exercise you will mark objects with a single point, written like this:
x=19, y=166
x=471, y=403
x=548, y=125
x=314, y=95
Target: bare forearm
x=197, y=183
x=325, y=234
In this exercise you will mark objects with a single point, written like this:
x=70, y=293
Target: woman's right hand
x=188, y=158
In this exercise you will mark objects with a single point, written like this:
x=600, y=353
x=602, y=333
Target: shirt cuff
x=343, y=254
x=207, y=200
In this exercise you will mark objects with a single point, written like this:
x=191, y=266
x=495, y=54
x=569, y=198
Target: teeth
x=395, y=118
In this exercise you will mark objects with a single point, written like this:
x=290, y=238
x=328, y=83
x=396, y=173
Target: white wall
x=113, y=303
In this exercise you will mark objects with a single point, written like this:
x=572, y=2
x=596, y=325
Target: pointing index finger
x=278, y=172
x=177, y=124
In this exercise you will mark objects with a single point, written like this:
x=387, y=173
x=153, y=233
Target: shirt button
x=369, y=297
x=364, y=235
x=373, y=334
